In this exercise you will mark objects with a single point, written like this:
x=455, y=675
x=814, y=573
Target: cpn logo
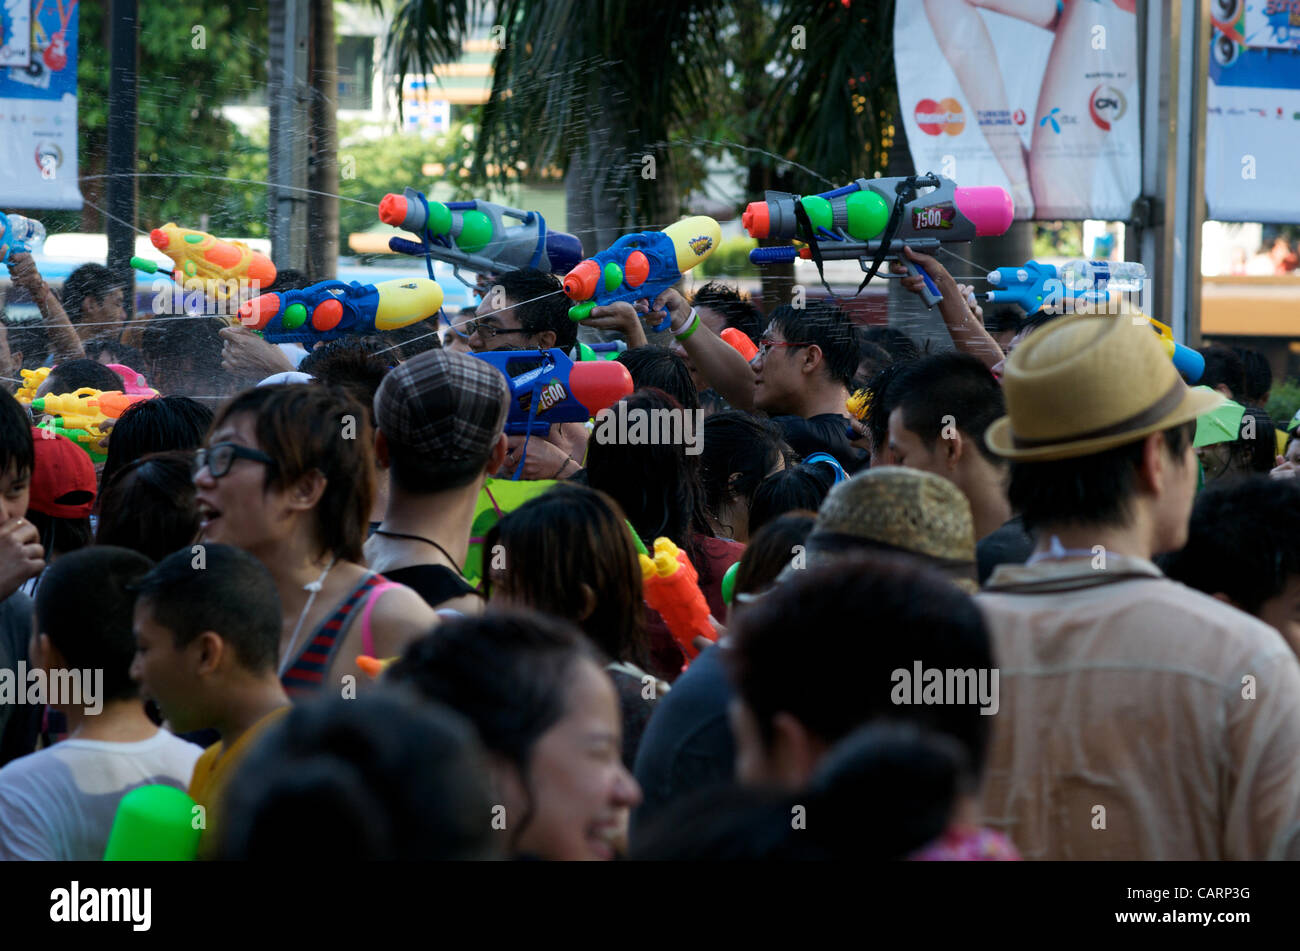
x=935, y=118
x=1106, y=105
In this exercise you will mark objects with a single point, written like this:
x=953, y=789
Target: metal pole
x=120, y=191
x=287, y=159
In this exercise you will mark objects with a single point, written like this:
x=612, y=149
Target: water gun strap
x=891, y=228
x=541, y=238
x=804, y=225
x=538, y=384
x=424, y=236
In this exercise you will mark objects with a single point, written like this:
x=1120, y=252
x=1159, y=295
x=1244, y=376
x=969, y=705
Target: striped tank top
x=306, y=676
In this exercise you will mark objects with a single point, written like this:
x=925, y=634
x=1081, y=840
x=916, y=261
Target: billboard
x=38, y=106
x=1046, y=106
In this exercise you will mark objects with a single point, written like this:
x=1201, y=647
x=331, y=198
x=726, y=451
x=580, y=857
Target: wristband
x=692, y=325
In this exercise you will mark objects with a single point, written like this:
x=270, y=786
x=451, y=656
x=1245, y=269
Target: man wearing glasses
x=522, y=310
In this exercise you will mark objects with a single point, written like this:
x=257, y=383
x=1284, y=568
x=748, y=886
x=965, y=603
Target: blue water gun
x=19, y=235
x=641, y=266
x=473, y=234
x=333, y=309
x=1074, y=287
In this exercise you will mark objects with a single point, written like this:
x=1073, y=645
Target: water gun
x=87, y=401
x=641, y=265
x=223, y=266
x=88, y=438
x=740, y=341
x=133, y=383
x=546, y=387
x=473, y=235
x=32, y=380
x=372, y=667
x=19, y=235
x=1036, y=287
x=333, y=309
x=672, y=588
x=1189, y=363
x=873, y=219
x=154, y=823
x=609, y=350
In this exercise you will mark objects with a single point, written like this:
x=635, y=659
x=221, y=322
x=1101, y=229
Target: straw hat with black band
x=1082, y=385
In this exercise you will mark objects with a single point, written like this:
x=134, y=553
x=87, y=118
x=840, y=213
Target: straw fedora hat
x=1081, y=385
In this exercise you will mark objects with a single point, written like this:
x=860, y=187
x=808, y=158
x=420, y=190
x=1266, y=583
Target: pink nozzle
x=988, y=207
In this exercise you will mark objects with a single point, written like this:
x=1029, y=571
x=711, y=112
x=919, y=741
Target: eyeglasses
x=767, y=344
x=222, y=456
x=487, y=331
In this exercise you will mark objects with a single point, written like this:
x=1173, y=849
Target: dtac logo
x=1106, y=106
x=1056, y=118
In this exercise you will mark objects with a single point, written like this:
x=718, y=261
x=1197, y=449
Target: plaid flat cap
x=444, y=406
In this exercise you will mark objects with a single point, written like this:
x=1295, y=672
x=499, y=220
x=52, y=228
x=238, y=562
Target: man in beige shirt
x=1139, y=719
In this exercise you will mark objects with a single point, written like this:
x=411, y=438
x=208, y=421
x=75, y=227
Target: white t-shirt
x=58, y=804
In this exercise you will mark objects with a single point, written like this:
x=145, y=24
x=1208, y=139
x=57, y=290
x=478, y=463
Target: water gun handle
x=930, y=291
x=787, y=252
x=403, y=246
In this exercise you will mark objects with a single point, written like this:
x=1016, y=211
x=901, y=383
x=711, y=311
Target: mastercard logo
x=935, y=118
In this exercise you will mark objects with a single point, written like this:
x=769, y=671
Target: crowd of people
x=1008, y=606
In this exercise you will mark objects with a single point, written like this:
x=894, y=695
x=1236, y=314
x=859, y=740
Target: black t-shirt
x=437, y=584
x=826, y=432
x=1008, y=545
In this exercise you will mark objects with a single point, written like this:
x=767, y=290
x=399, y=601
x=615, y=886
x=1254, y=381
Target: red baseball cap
x=63, y=485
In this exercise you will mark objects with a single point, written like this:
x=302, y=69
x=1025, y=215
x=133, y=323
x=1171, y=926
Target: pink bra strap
x=367, y=638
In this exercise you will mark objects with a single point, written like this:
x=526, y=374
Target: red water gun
x=672, y=588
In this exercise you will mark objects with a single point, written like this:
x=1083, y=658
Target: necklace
x=314, y=587
x=427, y=541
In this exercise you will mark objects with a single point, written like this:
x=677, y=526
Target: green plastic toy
x=154, y=823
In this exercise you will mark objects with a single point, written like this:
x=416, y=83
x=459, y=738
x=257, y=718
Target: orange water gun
x=199, y=256
x=373, y=666
x=672, y=588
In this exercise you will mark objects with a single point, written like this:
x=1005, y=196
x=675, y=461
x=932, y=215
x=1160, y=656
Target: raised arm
x=64, y=342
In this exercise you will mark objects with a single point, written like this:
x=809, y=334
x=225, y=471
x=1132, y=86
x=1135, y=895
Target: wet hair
x=896, y=343
x=509, y=672
x=148, y=505
x=662, y=369
x=570, y=536
x=871, y=357
x=31, y=340
x=17, y=451
x=825, y=325
x=949, y=385
x=1243, y=541
x=930, y=620
x=228, y=592
x=392, y=779
x=120, y=352
x=737, y=444
x=86, y=607
x=74, y=374
x=177, y=346
x=60, y=535
x=771, y=549
x=737, y=310
x=1257, y=376
x=287, y=279
x=883, y=401
x=88, y=280
x=1223, y=366
x=352, y=365
x=540, y=304
x=161, y=424
x=797, y=488
x=300, y=426
x=1095, y=489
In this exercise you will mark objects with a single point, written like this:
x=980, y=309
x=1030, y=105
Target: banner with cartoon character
x=1045, y=105
x=38, y=107
x=1252, y=126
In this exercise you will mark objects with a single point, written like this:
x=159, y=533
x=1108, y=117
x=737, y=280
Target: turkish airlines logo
x=936, y=118
x=1106, y=105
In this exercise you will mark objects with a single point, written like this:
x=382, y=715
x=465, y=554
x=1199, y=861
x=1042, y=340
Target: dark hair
x=662, y=369
x=391, y=778
x=770, y=550
x=120, y=352
x=896, y=343
x=86, y=607
x=299, y=426
x=1223, y=366
x=928, y=619
x=183, y=352
x=736, y=444
x=1257, y=376
x=883, y=401
x=60, y=535
x=148, y=505
x=17, y=451
x=74, y=374
x=825, y=325
x=540, y=304
x=737, y=310
x=1095, y=489
x=352, y=365
x=797, y=488
x=508, y=672
x=999, y=318
x=217, y=588
x=570, y=536
x=288, y=279
x=1244, y=541
x=30, y=339
x=89, y=280
x=871, y=357
x=1252, y=451
x=161, y=424
x=952, y=384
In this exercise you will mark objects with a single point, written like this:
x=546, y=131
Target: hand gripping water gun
x=32, y=380
x=154, y=823
x=1074, y=287
x=641, y=265
x=546, y=387
x=225, y=267
x=333, y=309
x=473, y=234
x=19, y=235
x=672, y=588
x=872, y=220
